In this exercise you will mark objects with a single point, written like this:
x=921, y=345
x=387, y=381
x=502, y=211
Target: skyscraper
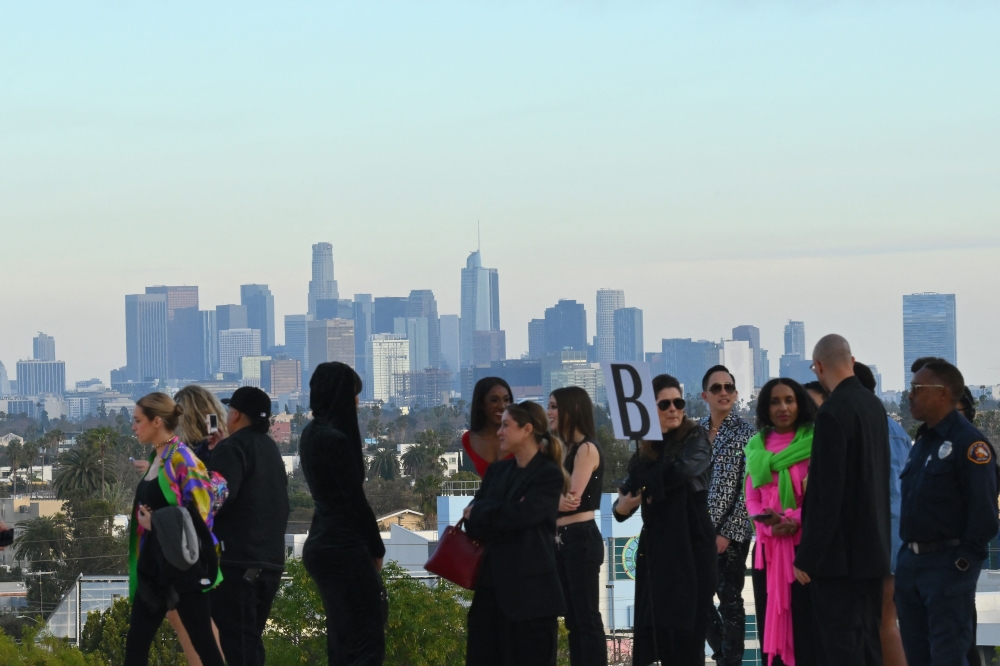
x=259, y=303
x=209, y=344
x=297, y=338
x=422, y=303
x=688, y=360
x=928, y=329
x=536, y=338
x=323, y=284
x=44, y=347
x=417, y=331
x=488, y=346
x=231, y=316
x=388, y=356
x=608, y=300
x=385, y=311
x=4, y=381
x=628, y=335
x=450, y=345
x=737, y=356
x=566, y=327
x=41, y=377
x=331, y=340
x=281, y=375
x=234, y=344
x=145, y=337
x=364, y=309
x=795, y=338
x=184, y=359
x=751, y=334
x=480, y=303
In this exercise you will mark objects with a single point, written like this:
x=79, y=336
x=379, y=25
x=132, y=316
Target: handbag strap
x=460, y=525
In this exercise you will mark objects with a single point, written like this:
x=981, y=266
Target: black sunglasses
x=664, y=405
x=716, y=389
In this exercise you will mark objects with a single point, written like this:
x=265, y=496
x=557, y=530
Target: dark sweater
x=251, y=523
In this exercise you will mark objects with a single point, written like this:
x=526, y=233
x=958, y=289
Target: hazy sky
x=724, y=163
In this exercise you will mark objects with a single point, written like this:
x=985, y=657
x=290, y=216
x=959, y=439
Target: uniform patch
x=944, y=451
x=980, y=453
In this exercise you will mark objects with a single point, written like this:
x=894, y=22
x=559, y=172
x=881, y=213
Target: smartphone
x=212, y=421
x=622, y=485
x=131, y=459
x=760, y=516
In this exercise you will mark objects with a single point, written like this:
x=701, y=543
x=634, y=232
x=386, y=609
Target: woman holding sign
x=676, y=570
x=579, y=546
x=777, y=469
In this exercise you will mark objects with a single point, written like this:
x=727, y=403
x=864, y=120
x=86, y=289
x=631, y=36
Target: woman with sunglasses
x=777, y=469
x=675, y=578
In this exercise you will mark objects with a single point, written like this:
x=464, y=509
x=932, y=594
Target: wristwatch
x=962, y=564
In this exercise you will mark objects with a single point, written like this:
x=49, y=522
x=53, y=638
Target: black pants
x=848, y=616
x=669, y=647
x=195, y=614
x=727, y=623
x=240, y=611
x=351, y=589
x=496, y=641
x=805, y=635
x=578, y=558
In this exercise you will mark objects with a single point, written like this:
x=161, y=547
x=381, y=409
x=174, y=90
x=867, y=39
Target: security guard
x=948, y=517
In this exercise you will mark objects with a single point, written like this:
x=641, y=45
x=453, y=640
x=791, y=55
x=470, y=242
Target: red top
x=480, y=462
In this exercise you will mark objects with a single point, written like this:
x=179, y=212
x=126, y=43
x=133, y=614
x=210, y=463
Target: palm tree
x=100, y=439
x=427, y=489
x=44, y=541
x=15, y=458
x=81, y=470
x=31, y=450
x=384, y=464
x=50, y=443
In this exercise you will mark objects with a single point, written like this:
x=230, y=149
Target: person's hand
x=378, y=564
x=569, y=503
x=801, y=576
x=628, y=503
x=214, y=438
x=787, y=527
x=145, y=517
x=772, y=518
x=721, y=543
x=141, y=466
x=467, y=511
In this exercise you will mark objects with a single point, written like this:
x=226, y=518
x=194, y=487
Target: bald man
x=844, y=552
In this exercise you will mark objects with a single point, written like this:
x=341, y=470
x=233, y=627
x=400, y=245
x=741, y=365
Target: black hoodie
x=334, y=466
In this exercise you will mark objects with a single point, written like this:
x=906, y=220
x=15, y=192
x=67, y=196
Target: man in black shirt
x=250, y=527
x=844, y=552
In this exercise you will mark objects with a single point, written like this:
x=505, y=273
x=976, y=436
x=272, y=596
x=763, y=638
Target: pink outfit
x=777, y=554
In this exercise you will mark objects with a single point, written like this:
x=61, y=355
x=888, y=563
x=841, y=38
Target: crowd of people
x=866, y=547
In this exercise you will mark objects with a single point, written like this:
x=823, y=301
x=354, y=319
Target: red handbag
x=457, y=557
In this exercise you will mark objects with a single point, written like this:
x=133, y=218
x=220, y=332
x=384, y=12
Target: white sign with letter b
x=631, y=401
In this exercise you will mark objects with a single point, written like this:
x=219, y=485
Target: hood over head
x=332, y=392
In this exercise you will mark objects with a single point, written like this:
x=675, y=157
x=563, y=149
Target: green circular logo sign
x=629, y=554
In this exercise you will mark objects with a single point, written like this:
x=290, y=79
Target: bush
x=103, y=638
x=45, y=652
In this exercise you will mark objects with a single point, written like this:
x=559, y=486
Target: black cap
x=251, y=401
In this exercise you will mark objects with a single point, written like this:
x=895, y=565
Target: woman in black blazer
x=513, y=619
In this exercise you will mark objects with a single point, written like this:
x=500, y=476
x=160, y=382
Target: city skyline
x=721, y=164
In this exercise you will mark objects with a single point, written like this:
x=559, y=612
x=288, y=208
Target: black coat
x=676, y=559
x=514, y=516
x=845, y=511
x=250, y=524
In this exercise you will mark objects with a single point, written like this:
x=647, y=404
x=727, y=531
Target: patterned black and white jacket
x=726, y=501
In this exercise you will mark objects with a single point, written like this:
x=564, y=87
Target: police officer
x=948, y=516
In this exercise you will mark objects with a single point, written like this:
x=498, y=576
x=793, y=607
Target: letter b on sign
x=631, y=401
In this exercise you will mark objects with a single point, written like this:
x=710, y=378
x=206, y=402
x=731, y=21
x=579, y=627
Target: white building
x=738, y=357
x=388, y=356
x=236, y=343
x=250, y=370
x=608, y=300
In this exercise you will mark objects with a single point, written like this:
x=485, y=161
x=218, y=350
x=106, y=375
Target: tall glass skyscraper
x=323, y=285
x=146, y=336
x=260, y=312
x=608, y=300
x=480, y=303
x=184, y=357
x=928, y=329
x=795, y=338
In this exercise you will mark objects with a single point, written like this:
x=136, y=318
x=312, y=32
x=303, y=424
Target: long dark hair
x=477, y=411
x=531, y=412
x=648, y=449
x=576, y=412
x=807, y=408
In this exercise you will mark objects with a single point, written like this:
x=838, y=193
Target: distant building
x=209, y=343
x=281, y=375
x=480, y=303
x=281, y=431
x=184, y=351
x=406, y=518
x=44, y=347
x=536, y=338
x=146, y=336
x=628, y=335
x=5, y=388
x=386, y=309
x=323, y=285
x=655, y=361
x=737, y=356
x=608, y=300
x=878, y=380
x=234, y=344
x=41, y=377
x=761, y=369
x=565, y=327
x=297, y=338
x=388, y=356
x=364, y=310
x=334, y=308
x=416, y=330
x=250, y=370
x=928, y=329
x=488, y=346
x=421, y=303
x=795, y=338
x=523, y=375
x=231, y=316
x=793, y=366
x=259, y=302
x=688, y=360
x=331, y=340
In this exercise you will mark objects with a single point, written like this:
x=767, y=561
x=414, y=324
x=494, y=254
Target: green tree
x=82, y=472
x=44, y=542
x=296, y=631
x=31, y=451
x=103, y=638
x=48, y=651
x=102, y=440
x=94, y=547
x=427, y=489
x=384, y=465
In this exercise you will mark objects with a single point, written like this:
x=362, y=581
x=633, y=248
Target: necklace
x=162, y=445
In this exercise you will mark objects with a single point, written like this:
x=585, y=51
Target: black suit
x=518, y=595
x=845, y=523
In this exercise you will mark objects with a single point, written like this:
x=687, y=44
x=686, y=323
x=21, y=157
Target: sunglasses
x=664, y=405
x=716, y=389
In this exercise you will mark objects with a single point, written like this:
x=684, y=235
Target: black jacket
x=845, y=511
x=514, y=515
x=676, y=561
x=250, y=525
x=7, y=537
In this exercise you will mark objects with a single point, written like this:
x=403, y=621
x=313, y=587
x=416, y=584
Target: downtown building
x=608, y=301
x=928, y=329
x=480, y=306
x=323, y=286
x=145, y=337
